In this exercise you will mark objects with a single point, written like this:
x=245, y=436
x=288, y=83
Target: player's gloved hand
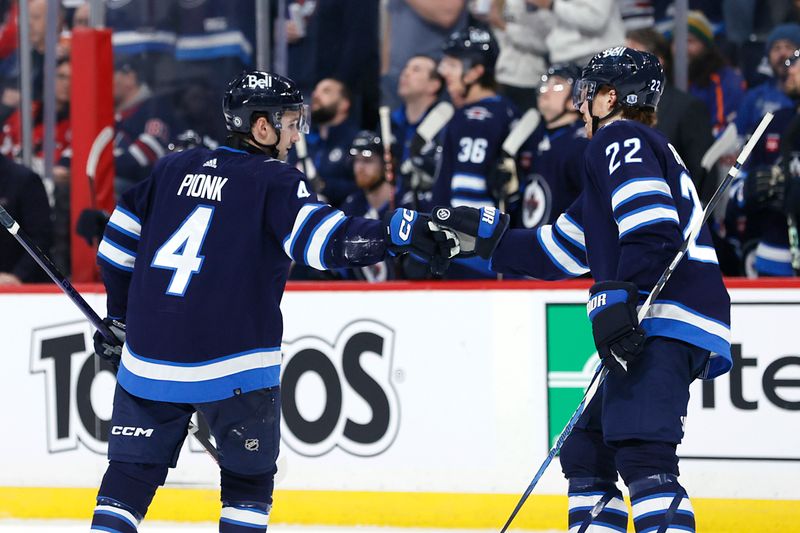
x=410, y=232
x=764, y=188
x=478, y=230
x=615, y=326
x=421, y=164
x=502, y=181
x=110, y=350
x=91, y=225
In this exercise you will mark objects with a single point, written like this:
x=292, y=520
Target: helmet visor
x=582, y=91
x=304, y=124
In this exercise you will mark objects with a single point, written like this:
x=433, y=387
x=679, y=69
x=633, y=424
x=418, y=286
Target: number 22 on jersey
x=181, y=252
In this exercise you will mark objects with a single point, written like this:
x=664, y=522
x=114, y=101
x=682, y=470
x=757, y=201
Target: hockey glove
x=409, y=232
x=615, y=326
x=110, y=350
x=91, y=225
x=764, y=188
x=421, y=164
x=502, y=181
x=478, y=230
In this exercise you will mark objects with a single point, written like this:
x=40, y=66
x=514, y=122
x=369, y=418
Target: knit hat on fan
x=700, y=27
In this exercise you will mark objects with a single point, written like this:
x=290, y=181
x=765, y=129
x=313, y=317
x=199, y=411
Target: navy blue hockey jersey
x=195, y=259
x=767, y=226
x=472, y=144
x=637, y=205
x=550, y=163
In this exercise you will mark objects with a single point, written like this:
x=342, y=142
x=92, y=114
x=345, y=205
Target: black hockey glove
x=91, y=225
x=615, y=326
x=502, y=181
x=764, y=188
x=111, y=351
x=421, y=164
x=478, y=230
x=410, y=232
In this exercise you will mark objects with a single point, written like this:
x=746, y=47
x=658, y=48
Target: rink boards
x=413, y=405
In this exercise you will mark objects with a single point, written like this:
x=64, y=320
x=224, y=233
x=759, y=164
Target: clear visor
x=304, y=125
x=582, y=91
x=792, y=58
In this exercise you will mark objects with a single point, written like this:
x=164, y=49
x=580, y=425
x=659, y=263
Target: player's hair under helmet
x=257, y=93
x=637, y=77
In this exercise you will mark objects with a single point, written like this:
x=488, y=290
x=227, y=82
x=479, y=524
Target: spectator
x=215, y=40
x=637, y=14
x=9, y=101
x=22, y=195
x=144, y=125
x=681, y=117
x=419, y=89
x=416, y=27
x=521, y=34
x=770, y=95
x=146, y=30
x=340, y=41
x=767, y=191
x=551, y=160
x=330, y=138
x=582, y=28
x=717, y=85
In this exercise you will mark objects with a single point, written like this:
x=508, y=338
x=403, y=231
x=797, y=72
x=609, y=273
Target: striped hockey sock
x=661, y=505
x=112, y=516
x=596, y=506
x=244, y=518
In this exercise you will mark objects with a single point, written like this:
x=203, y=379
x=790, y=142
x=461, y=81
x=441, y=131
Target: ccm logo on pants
x=130, y=431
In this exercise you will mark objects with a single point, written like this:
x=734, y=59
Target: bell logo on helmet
x=616, y=51
x=253, y=81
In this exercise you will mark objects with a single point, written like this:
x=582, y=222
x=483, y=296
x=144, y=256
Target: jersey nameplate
x=203, y=186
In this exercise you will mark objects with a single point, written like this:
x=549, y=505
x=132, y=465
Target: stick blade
x=436, y=119
x=725, y=144
x=523, y=129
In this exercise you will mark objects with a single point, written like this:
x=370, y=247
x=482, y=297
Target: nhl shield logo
x=251, y=445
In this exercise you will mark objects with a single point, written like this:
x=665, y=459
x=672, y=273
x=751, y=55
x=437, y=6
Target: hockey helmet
x=366, y=143
x=258, y=92
x=566, y=71
x=475, y=45
x=637, y=77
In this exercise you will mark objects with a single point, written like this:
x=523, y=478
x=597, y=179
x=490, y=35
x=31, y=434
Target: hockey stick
x=427, y=130
x=63, y=283
x=602, y=371
x=384, y=112
x=726, y=143
x=100, y=142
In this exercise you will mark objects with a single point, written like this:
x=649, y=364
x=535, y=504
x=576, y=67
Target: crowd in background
x=173, y=58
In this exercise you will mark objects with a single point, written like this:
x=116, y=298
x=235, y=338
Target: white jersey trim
x=245, y=516
x=468, y=182
x=645, y=217
x=573, y=232
x=115, y=254
x=201, y=371
x=318, y=239
x=558, y=255
x=126, y=223
x=300, y=220
x=639, y=187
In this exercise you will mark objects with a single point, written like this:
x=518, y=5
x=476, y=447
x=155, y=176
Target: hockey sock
x=661, y=505
x=596, y=506
x=238, y=517
x=114, y=517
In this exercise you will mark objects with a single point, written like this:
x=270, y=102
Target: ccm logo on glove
x=405, y=224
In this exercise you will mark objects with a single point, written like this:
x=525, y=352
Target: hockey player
x=625, y=228
x=471, y=146
x=195, y=260
x=551, y=159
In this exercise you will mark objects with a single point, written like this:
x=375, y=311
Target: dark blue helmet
x=474, y=44
x=637, y=77
x=262, y=93
x=366, y=143
x=566, y=71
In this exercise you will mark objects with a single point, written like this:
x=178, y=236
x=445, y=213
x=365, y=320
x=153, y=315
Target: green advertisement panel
x=571, y=360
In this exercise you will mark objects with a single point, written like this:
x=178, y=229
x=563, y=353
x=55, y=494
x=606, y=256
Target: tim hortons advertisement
x=436, y=391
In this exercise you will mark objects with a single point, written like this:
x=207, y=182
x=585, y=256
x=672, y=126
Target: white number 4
x=181, y=252
x=302, y=191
